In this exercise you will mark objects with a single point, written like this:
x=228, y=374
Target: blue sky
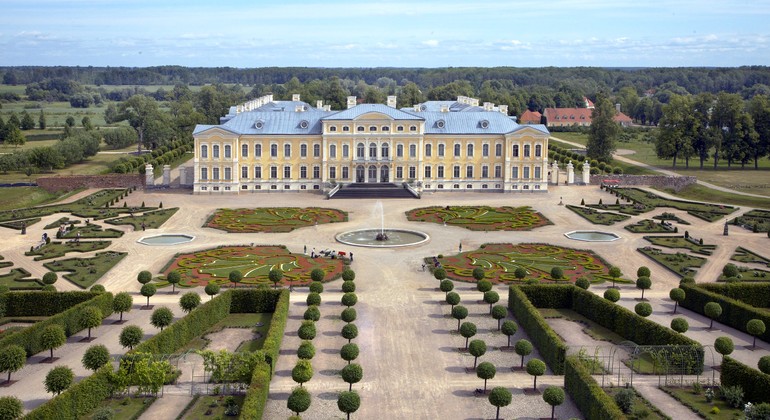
x=400, y=33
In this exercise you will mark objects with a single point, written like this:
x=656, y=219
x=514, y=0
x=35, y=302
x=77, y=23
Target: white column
x=149, y=178
x=555, y=173
x=586, y=173
x=166, y=175
x=570, y=173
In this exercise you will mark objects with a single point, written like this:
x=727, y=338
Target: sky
x=385, y=33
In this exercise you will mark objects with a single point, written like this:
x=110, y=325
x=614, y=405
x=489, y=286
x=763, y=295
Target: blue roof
x=358, y=110
x=468, y=123
x=454, y=106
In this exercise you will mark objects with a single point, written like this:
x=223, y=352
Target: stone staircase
x=373, y=190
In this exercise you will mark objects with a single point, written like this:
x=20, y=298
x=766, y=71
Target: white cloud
x=430, y=43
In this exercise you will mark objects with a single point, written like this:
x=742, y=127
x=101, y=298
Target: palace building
x=266, y=145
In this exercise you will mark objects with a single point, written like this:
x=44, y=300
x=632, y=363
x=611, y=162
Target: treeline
x=80, y=145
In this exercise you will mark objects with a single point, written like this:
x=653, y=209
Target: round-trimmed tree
x=459, y=313
x=349, y=352
x=275, y=275
x=677, y=295
x=477, y=348
x=302, y=372
x=90, y=317
x=520, y=273
x=317, y=275
x=307, y=330
x=97, y=288
x=58, y=379
x=680, y=325
x=478, y=273
x=299, y=400
x=348, y=402
x=348, y=286
x=316, y=287
x=236, y=277
x=348, y=275
x=452, y=298
x=161, y=318
x=523, y=348
x=613, y=295
x=349, y=299
x=306, y=350
x=211, y=289
x=53, y=337
x=313, y=299
x=509, y=328
x=643, y=283
x=730, y=270
x=467, y=330
x=582, y=283
x=189, y=301
x=724, y=346
x=643, y=309
x=712, y=310
x=130, y=336
x=643, y=272
x=50, y=278
x=12, y=359
x=439, y=274
x=446, y=286
x=484, y=286
x=535, y=367
x=349, y=315
x=122, y=303
x=499, y=312
x=764, y=364
x=491, y=297
x=95, y=357
x=500, y=397
x=173, y=278
x=349, y=331
x=755, y=327
x=11, y=408
x=144, y=277
x=352, y=373
x=312, y=313
x=615, y=273
x=486, y=371
x=554, y=396
x=557, y=273
x=148, y=290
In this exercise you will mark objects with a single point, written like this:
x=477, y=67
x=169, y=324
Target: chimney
x=295, y=97
x=351, y=101
x=444, y=108
x=617, y=108
x=416, y=107
x=392, y=101
x=299, y=108
x=319, y=104
x=327, y=107
x=473, y=102
x=503, y=109
x=488, y=106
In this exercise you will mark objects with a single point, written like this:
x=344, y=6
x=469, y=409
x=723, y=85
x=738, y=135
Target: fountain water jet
x=381, y=237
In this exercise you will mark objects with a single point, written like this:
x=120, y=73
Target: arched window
x=485, y=150
x=360, y=150
x=372, y=150
x=470, y=149
x=412, y=151
x=257, y=150
x=215, y=151
x=204, y=151
x=385, y=150
x=428, y=149
x=538, y=150
x=515, y=150
x=332, y=128
x=273, y=150
x=469, y=171
x=245, y=150
x=287, y=150
x=228, y=151
x=441, y=150
x=457, y=150
x=498, y=150
x=526, y=150
x=333, y=151
x=400, y=150
x=316, y=150
x=345, y=151
x=303, y=150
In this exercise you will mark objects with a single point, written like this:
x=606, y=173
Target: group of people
x=328, y=253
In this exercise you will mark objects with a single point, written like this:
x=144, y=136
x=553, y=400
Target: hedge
x=754, y=383
x=78, y=400
x=735, y=313
x=256, y=396
x=40, y=303
x=253, y=301
x=29, y=338
x=272, y=344
x=754, y=294
x=551, y=347
x=588, y=396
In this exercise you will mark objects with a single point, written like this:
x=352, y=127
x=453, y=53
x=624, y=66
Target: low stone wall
x=659, y=181
x=71, y=182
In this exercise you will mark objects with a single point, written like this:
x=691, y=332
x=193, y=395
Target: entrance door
x=384, y=174
x=372, y=174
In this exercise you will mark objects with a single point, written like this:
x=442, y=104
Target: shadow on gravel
x=328, y=396
x=330, y=351
x=331, y=333
x=442, y=332
x=329, y=372
x=455, y=369
x=438, y=316
x=284, y=396
x=448, y=349
x=286, y=352
x=284, y=373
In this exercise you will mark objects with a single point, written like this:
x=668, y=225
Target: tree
x=352, y=373
x=306, y=350
x=486, y=371
x=299, y=400
x=348, y=287
x=12, y=359
x=643, y=271
x=90, y=317
x=58, y=379
x=11, y=408
x=499, y=312
x=554, y=396
x=615, y=273
x=275, y=275
x=764, y=364
x=95, y=357
x=189, y=301
x=446, y=286
x=535, y=367
x=491, y=297
x=53, y=337
x=235, y=277
x=144, y=277
x=509, y=328
x=211, y=289
x=122, y=303
x=348, y=315
x=730, y=271
x=603, y=131
x=459, y=313
x=523, y=348
x=613, y=295
x=478, y=274
x=500, y=397
x=349, y=299
x=144, y=116
x=477, y=348
x=41, y=120
x=467, y=330
x=755, y=327
x=14, y=136
x=349, y=352
x=161, y=318
x=312, y=313
x=348, y=275
x=452, y=298
x=97, y=288
x=759, y=109
x=50, y=278
x=130, y=336
x=174, y=278
x=313, y=299
x=348, y=402
x=557, y=273
x=724, y=346
x=676, y=130
x=484, y=286
x=302, y=372
x=317, y=275
x=439, y=274
x=643, y=283
x=316, y=287
x=307, y=330
x=148, y=290
x=582, y=283
x=712, y=310
x=349, y=331
x=120, y=137
x=677, y=295
x=680, y=325
x=520, y=273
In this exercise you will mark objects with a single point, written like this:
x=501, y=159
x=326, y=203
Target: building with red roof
x=530, y=117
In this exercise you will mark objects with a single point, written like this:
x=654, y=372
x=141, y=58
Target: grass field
x=700, y=193
x=20, y=197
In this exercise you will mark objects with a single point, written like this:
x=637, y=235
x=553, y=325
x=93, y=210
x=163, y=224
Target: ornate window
x=204, y=152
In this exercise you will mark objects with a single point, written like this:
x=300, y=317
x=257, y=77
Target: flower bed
x=681, y=242
x=680, y=263
x=650, y=226
x=744, y=255
x=272, y=219
x=648, y=200
x=481, y=217
x=84, y=272
x=597, y=217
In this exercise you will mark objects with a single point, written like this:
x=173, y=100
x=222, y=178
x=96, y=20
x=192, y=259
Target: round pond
x=592, y=236
x=395, y=238
x=166, y=239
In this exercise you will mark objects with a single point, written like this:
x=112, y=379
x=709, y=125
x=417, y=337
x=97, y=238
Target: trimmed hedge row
x=78, y=400
x=272, y=344
x=589, y=397
x=256, y=397
x=29, y=338
x=253, y=300
x=754, y=383
x=735, y=313
x=40, y=303
x=551, y=347
x=754, y=294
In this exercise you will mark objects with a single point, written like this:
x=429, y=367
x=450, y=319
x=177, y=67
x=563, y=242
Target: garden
x=644, y=201
x=746, y=256
x=755, y=220
x=682, y=242
x=272, y=219
x=650, y=226
x=680, y=263
x=598, y=217
x=481, y=217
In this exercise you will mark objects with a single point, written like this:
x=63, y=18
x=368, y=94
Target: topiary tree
x=148, y=290
x=316, y=287
x=478, y=273
x=439, y=274
x=189, y=301
x=523, y=348
x=486, y=371
x=348, y=402
x=557, y=273
x=509, y=328
x=491, y=297
x=446, y=286
x=499, y=312
x=90, y=317
x=477, y=348
x=95, y=357
x=677, y=295
x=53, y=337
x=643, y=309
x=730, y=270
x=613, y=295
x=349, y=299
x=349, y=315
x=317, y=275
x=352, y=373
x=643, y=283
x=275, y=275
x=582, y=283
x=299, y=400
x=130, y=336
x=467, y=330
x=50, y=278
x=173, y=278
x=348, y=275
x=680, y=325
x=211, y=289
x=500, y=397
x=307, y=330
x=313, y=299
x=302, y=372
x=459, y=313
x=349, y=352
x=615, y=273
x=58, y=379
x=643, y=272
x=236, y=277
x=97, y=288
x=724, y=346
x=520, y=273
x=144, y=277
x=161, y=318
x=764, y=364
x=122, y=303
x=306, y=350
x=755, y=327
x=312, y=313
x=712, y=310
x=484, y=286
x=11, y=408
x=349, y=331
x=12, y=359
x=348, y=287
x=554, y=396
x=535, y=367
x=48, y=288
x=452, y=298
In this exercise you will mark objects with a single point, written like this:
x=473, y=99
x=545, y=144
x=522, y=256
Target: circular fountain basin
x=166, y=239
x=396, y=238
x=592, y=236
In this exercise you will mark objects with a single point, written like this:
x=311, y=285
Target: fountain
x=166, y=239
x=381, y=237
x=592, y=236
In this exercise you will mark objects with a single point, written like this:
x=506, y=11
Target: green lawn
x=151, y=219
x=594, y=330
x=648, y=226
x=210, y=407
x=19, y=279
x=598, y=217
x=744, y=255
x=84, y=272
x=679, y=263
x=21, y=197
x=698, y=404
x=700, y=193
x=641, y=408
x=123, y=408
x=681, y=243
x=56, y=249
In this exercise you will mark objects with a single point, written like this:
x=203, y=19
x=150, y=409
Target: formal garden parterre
x=481, y=217
x=272, y=219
